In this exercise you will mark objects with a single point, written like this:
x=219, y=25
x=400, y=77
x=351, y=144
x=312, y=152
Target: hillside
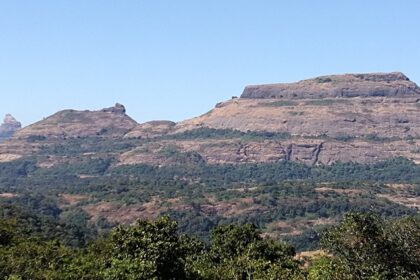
x=291, y=158
x=111, y=122
x=381, y=122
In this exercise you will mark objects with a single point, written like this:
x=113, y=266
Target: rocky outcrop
x=117, y=109
x=9, y=126
x=349, y=85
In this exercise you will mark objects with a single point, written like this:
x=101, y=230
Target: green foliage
x=279, y=191
x=362, y=246
x=8, y=230
x=329, y=268
x=82, y=167
x=373, y=248
x=35, y=138
x=282, y=103
x=295, y=113
x=323, y=80
x=326, y=102
x=239, y=252
x=376, y=138
x=33, y=259
x=148, y=250
x=16, y=169
x=392, y=170
x=213, y=133
x=230, y=240
x=179, y=157
x=44, y=221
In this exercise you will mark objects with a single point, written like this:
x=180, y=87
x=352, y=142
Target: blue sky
x=177, y=59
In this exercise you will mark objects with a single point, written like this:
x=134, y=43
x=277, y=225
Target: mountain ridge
x=288, y=165
x=309, y=130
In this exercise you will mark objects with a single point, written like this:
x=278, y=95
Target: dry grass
x=9, y=157
x=305, y=258
x=127, y=214
x=8, y=195
x=340, y=191
x=406, y=200
x=399, y=187
x=294, y=227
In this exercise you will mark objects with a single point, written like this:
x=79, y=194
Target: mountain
x=112, y=122
x=287, y=157
x=362, y=118
x=9, y=126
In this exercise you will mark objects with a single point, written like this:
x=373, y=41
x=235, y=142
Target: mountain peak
x=117, y=108
x=10, y=120
x=394, y=84
x=9, y=126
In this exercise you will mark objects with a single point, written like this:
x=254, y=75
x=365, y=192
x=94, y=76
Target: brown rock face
x=9, y=126
x=321, y=131
x=354, y=117
x=151, y=129
x=349, y=85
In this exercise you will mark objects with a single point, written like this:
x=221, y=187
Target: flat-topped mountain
x=349, y=85
x=9, y=126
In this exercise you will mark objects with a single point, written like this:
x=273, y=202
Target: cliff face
x=9, y=126
x=349, y=85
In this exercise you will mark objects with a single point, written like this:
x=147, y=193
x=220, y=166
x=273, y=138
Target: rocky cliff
x=348, y=118
x=352, y=117
x=349, y=85
x=9, y=126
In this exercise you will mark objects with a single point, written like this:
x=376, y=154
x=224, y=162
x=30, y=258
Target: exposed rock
x=307, y=151
x=9, y=126
x=151, y=129
x=112, y=122
x=381, y=120
x=118, y=109
x=340, y=118
x=348, y=85
x=366, y=129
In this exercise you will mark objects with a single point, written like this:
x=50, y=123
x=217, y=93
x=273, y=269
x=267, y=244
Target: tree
x=329, y=268
x=239, y=252
x=374, y=249
x=148, y=250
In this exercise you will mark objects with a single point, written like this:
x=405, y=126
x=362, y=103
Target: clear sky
x=177, y=59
